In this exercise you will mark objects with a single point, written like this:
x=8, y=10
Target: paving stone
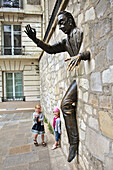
x=21, y=159
x=43, y=154
x=41, y=165
x=19, y=142
x=21, y=167
x=20, y=149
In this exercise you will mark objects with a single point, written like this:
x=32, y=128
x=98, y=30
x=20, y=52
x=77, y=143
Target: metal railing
x=9, y=50
x=20, y=98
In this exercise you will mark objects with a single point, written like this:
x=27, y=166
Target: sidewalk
x=17, y=151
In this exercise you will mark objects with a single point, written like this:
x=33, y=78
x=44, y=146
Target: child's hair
x=38, y=105
x=59, y=113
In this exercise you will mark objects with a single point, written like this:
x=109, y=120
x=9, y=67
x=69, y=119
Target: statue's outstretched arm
x=51, y=49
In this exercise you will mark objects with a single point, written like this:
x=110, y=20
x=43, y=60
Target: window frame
x=12, y=38
x=4, y=86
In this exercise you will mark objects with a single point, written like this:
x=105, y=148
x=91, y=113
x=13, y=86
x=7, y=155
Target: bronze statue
x=71, y=44
x=69, y=106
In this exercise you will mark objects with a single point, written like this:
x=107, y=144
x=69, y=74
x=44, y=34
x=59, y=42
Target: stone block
x=80, y=19
x=90, y=14
x=93, y=100
x=112, y=147
x=85, y=117
x=97, y=144
x=106, y=89
x=109, y=49
x=100, y=59
x=101, y=8
x=106, y=124
x=85, y=97
x=111, y=2
x=95, y=81
x=81, y=69
x=93, y=123
x=89, y=66
x=83, y=126
x=102, y=28
x=84, y=83
x=105, y=102
x=88, y=109
x=109, y=163
x=80, y=94
x=81, y=134
x=76, y=12
x=107, y=75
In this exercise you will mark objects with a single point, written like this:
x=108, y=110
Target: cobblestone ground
x=17, y=151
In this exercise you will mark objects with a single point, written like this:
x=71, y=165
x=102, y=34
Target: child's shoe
x=53, y=147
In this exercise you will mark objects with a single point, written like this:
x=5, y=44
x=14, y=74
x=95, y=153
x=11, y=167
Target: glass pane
x=7, y=3
x=17, y=28
x=17, y=40
x=7, y=43
x=11, y=3
x=18, y=85
x=7, y=28
x=7, y=39
x=9, y=86
x=15, y=3
x=17, y=51
x=7, y=51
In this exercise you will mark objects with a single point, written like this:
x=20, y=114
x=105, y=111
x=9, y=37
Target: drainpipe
x=53, y=21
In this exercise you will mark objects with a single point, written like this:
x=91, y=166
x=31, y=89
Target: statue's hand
x=31, y=32
x=73, y=63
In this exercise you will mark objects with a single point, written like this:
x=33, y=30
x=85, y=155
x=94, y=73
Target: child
x=38, y=124
x=56, y=126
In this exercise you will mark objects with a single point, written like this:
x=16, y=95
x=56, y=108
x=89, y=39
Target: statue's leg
x=68, y=107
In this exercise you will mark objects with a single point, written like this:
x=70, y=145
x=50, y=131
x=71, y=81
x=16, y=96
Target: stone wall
x=95, y=84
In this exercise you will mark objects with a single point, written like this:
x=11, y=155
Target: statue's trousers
x=69, y=107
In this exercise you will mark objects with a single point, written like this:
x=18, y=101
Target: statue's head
x=66, y=21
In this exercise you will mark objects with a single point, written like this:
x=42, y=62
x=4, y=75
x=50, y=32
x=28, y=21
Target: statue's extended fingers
x=67, y=59
x=33, y=29
x=75, y=64
x=71, y=64
x=25, y=31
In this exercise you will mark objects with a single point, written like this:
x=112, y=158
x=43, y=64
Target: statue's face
x=64, y=24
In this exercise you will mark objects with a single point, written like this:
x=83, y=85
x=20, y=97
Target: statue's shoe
x=72, y=152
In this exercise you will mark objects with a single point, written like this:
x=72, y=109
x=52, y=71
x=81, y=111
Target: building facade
x=94, y=82
x=19, y=69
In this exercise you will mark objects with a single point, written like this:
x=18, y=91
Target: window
x=34, y=2
x=12, y=40
x=13, y=86
x=12, y=3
